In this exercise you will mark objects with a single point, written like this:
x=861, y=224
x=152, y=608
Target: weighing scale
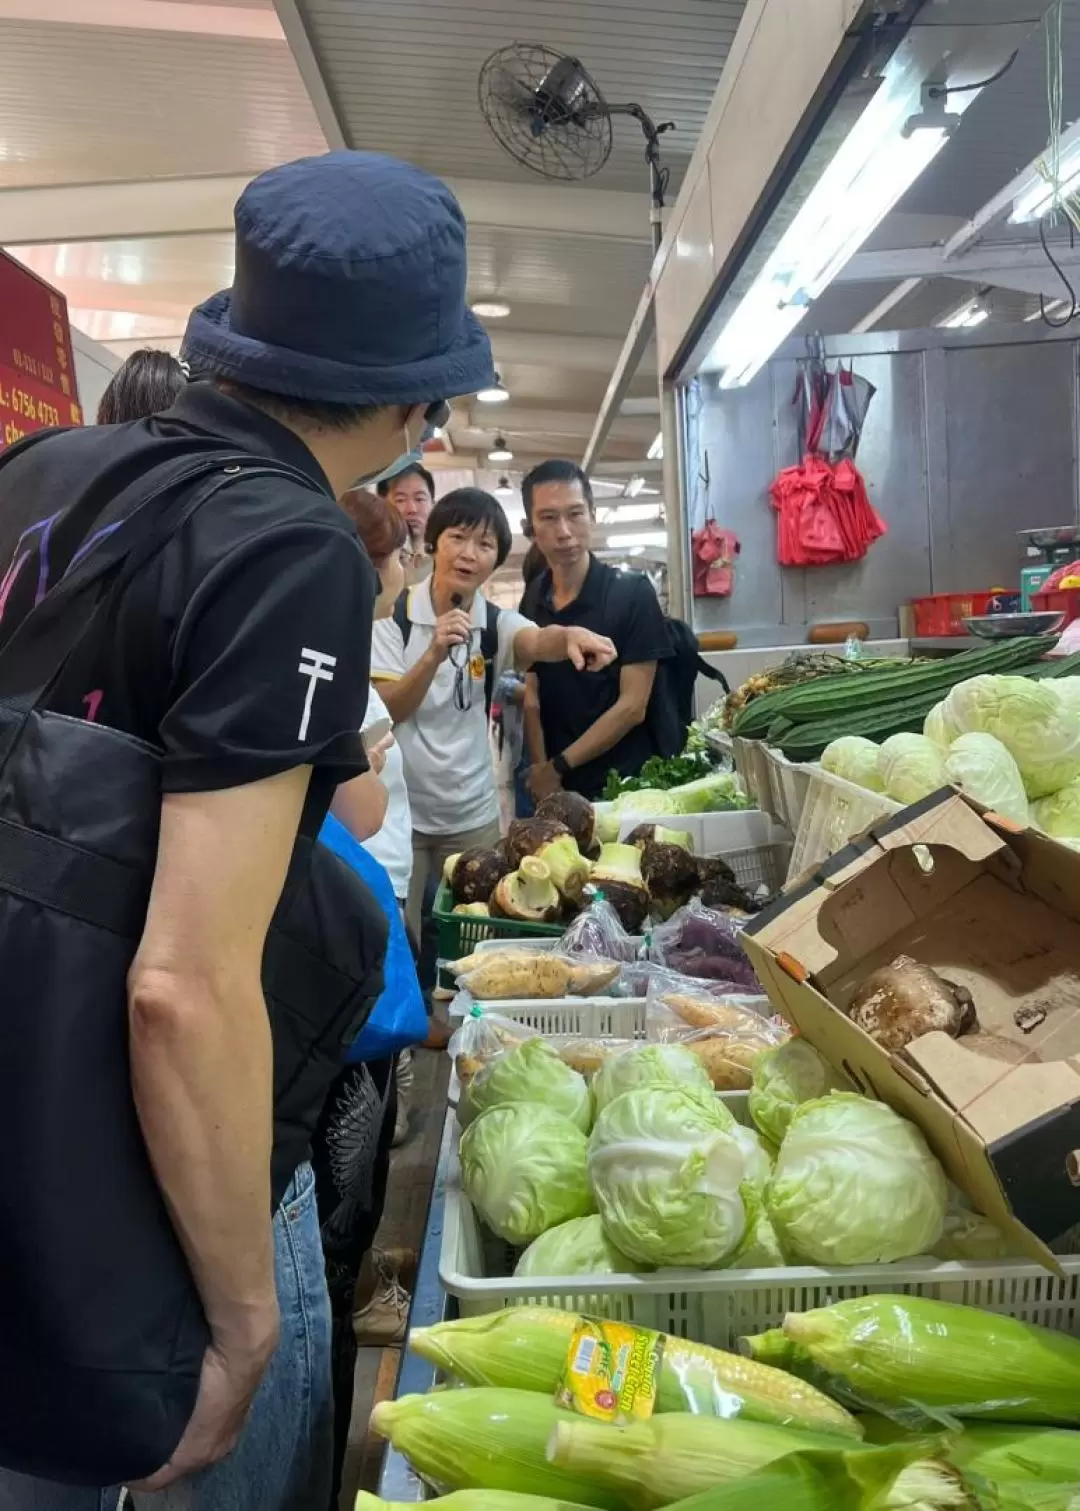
x=1045, y=550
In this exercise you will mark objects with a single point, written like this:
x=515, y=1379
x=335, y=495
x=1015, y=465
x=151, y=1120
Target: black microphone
x=455, y=600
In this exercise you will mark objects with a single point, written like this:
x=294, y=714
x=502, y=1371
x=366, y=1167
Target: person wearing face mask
x=186, y=621
x=436, y=663
x=412, y=493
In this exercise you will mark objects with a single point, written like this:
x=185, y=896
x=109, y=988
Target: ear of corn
x=898, y=1351
x=470, y=1500
x=489, y=1440
x=1002, y=1452
x=525, y=1348
x=668, y=1458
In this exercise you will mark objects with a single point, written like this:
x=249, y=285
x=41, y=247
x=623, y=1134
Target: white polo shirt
x=445, y=750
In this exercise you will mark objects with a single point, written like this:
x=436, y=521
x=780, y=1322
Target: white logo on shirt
x=315, y=666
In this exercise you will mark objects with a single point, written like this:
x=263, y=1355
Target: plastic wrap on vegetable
x=597, y=932
x=910, y=1354
x=649, y=1065
x=697, y=941
x=726, y=1031
x=486, y=1039
x=528, y=1072
x=516, y=974
x=527, y=1348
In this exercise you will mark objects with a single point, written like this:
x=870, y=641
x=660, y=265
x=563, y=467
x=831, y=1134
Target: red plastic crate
x=1059, y=601
x=944, y=613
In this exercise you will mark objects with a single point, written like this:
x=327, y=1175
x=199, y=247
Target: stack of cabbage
x=1010, y=743
x=648, y=1169
x=732, y=1434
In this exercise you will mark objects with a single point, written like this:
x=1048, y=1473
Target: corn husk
x=525, y=1348
x=470, y=1500
x=669, y=1458
x=487, y=1440
x=1003, y=1452
x=910, y=1352
x=857, y=1480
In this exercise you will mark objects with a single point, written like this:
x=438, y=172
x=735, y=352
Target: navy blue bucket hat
x=349, y=288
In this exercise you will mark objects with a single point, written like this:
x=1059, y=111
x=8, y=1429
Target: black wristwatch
x=560, y=764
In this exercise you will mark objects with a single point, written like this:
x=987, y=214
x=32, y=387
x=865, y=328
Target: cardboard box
x=995, y=910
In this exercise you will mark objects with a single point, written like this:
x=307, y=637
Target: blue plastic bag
x=399, y=1017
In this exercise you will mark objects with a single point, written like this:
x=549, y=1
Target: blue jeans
x=283, y=1461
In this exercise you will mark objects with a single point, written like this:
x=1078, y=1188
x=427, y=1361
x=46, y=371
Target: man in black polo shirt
x=235, y=660
x=579, y=728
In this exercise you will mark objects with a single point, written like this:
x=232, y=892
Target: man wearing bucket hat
x=227, y=651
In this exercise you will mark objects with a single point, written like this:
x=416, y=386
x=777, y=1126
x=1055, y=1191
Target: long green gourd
x=813, y=701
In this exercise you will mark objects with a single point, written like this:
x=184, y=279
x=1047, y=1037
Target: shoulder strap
x=489, y=649
x=401, y=615
x=150, y=511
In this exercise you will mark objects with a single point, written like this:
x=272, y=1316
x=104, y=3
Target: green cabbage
x=1031, y=719
x=669, y=1178
x=784, y=1078
x=525, y=1170
x=760, y=1249
x=912, y=767
x=855, y=759
x=670, y=1065
x=580, y=1247
x=1059, y=816
x=533, y=1072
x=980, y=765
x=708, y=794
x=855, y=1183
x=935, y=727
x=757, y=1161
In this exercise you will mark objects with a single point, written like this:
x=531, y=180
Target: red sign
x=37, y=365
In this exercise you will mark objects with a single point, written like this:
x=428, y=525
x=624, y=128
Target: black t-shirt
x=242, y=650
x=623, y=606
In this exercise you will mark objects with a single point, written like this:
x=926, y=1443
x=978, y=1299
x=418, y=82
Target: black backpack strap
x=401, y=616
x=713, y=673
x=489, y=649
x=150, y=511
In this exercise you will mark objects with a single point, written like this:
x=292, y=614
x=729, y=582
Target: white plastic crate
x=720, y=1306
x=580, y=1017
x=835, y=811
x=777, y=785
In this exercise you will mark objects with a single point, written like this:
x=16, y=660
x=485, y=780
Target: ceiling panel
x=581, y=284
x=128, y=105
x=420, y=101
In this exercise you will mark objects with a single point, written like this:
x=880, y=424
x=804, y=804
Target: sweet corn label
x=612, y=1371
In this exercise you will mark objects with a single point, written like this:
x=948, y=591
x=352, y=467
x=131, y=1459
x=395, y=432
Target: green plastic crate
x=459, y=934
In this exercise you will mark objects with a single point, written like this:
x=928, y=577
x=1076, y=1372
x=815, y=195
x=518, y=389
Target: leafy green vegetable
x=533, y=1072
x=579, y=1247
x=669, y=1178
x=667, y=1065
x=661, y=772
x=783, y=1079
x=911, y=767
x=855, y=759
x=524, y=1170
x=855, y=1183
x=980, y=765
x=1033, y=720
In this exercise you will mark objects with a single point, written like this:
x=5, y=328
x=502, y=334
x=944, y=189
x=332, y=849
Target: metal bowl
x=1008, y=626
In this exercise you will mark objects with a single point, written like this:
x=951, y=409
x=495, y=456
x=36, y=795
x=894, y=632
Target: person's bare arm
x=558, y=642
x=534, y=729
x=202, y=1074
x=629, y=710
x=361, y=803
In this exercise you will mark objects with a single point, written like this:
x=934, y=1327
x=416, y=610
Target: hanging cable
x=942, y=91
x=1053, y=321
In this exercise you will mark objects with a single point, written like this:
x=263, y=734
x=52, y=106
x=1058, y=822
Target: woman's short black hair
x=144, y=384
x=470, y=509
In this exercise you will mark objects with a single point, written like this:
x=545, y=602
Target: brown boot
x=382, y=1297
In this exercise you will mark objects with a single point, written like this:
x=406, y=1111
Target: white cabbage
x=524, y=1169
x=855, y=759
x=980, y=765
x=912, y=767
x=1059, y=815
x=855, y=1183
x=671, y=1065
x=1033, y=720
x=670, y=1178
x=784, y=1078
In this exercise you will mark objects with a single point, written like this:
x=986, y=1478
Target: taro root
x=650, y=834
x=550, y=841
x=573, y=810
x=476, y=873
x=671, y=875
x=618, y=875
x=905, y=1000
x=473, y=909
x=527, y=894
x=718, y=887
